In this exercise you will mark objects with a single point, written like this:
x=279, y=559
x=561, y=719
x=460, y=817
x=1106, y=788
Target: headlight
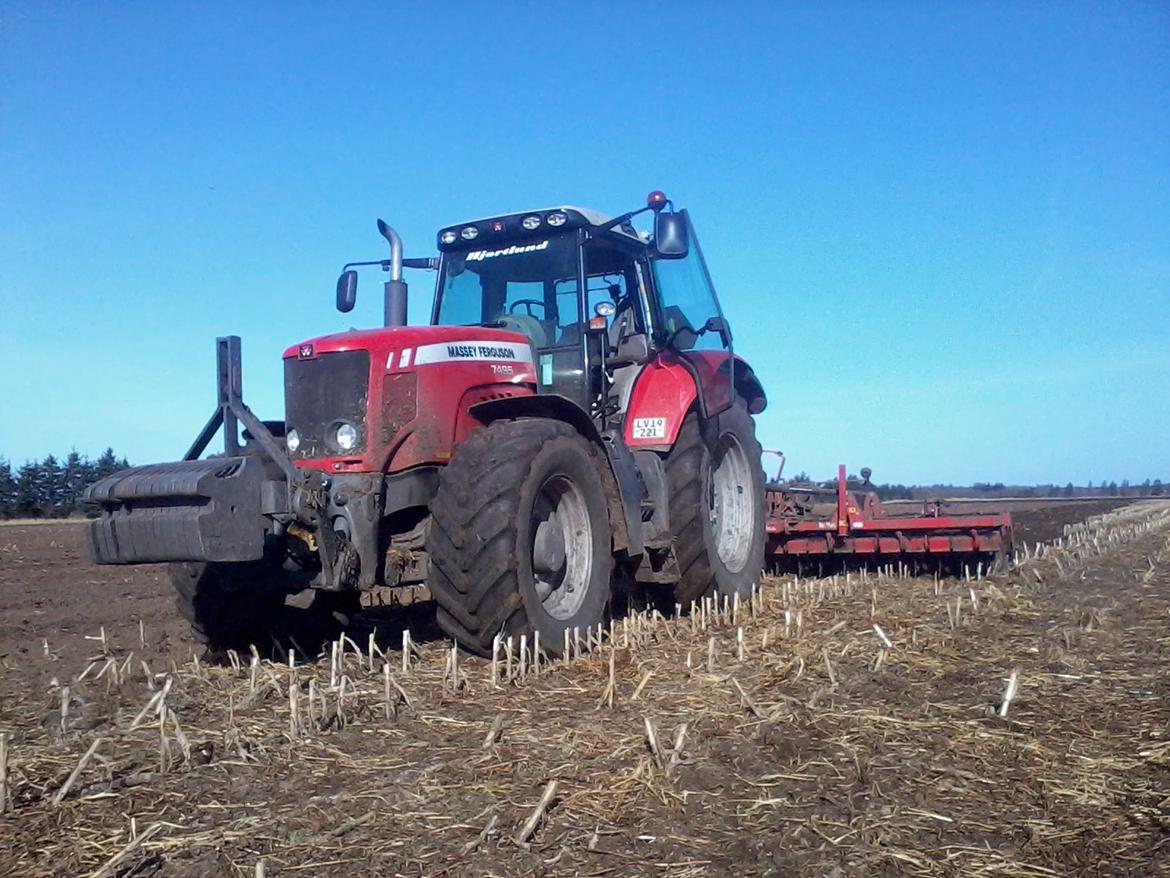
x=531, y=222
x=469, y=233
x=347, y=437
x=556, y=219
x=293, y=441
x=449, y=237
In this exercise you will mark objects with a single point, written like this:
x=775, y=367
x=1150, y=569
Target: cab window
x=611, y=277
x=689, y=321
x=686, y=301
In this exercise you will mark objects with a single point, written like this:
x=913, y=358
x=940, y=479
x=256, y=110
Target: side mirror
x=718, y=325
x=670, y=235
x=346, y=291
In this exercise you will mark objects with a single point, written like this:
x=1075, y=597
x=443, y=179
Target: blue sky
x=941, y=232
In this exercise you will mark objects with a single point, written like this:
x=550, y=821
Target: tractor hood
x=381, y=400
x=422, y=345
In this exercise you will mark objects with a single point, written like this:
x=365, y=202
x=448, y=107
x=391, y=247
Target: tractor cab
x=595, y=298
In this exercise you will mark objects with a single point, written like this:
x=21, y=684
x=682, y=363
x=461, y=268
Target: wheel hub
x=730, y=503
x=548, y=549
x=562, y=546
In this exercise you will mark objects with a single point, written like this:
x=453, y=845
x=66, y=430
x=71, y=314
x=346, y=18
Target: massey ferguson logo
x=479, y=352
x=305, y=352
x=480, y=255
x=475, y=351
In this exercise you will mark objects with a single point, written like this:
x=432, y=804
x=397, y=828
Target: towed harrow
x=818, y=528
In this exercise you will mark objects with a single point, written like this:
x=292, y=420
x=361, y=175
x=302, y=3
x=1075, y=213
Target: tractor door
x=688, y=321
x=617, y=344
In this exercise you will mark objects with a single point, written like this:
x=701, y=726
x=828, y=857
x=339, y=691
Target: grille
x=321, y=392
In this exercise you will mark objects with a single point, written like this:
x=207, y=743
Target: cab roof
x=510, y=225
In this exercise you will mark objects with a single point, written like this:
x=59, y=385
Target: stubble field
x=794, y=738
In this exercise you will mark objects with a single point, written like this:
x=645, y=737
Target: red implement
x=861, y=531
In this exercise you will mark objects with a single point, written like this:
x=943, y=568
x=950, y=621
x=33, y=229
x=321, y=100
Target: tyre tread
x=472, y=538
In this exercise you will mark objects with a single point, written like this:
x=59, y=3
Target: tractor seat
x=527, y=325
x=570, y=335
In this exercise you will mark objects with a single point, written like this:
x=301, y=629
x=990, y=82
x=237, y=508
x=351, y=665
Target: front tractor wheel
x=716, y=494
x=520, y=540
x=237, y=606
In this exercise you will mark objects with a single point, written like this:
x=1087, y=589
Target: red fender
x=748, y=386
x=663, y=394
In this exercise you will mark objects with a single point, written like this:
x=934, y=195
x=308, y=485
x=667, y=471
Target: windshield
x=530, y=286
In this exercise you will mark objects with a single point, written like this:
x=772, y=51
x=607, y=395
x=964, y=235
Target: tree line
x=992, y=490
x=52, y=488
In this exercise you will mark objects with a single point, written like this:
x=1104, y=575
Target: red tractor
x=573, y=420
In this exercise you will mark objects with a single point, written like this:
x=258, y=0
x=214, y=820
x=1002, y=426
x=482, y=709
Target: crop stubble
x=822, y=749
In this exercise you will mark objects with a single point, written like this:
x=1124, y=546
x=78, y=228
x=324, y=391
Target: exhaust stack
x=395, y=314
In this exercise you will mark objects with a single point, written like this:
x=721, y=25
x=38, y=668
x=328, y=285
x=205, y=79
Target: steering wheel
x=527, y=303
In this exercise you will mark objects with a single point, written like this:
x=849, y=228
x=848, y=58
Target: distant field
x=1035, y=519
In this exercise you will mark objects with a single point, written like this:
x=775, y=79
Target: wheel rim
x=562, y=547
x=731, y=507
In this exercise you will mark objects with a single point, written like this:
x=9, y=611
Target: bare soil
x=819, y=752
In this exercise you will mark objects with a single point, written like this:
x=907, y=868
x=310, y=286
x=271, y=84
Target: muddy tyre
x=236, y=606
x=715, y=485
x=520, y=538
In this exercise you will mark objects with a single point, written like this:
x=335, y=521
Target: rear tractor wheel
x=715, y=483
x=520, y=539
